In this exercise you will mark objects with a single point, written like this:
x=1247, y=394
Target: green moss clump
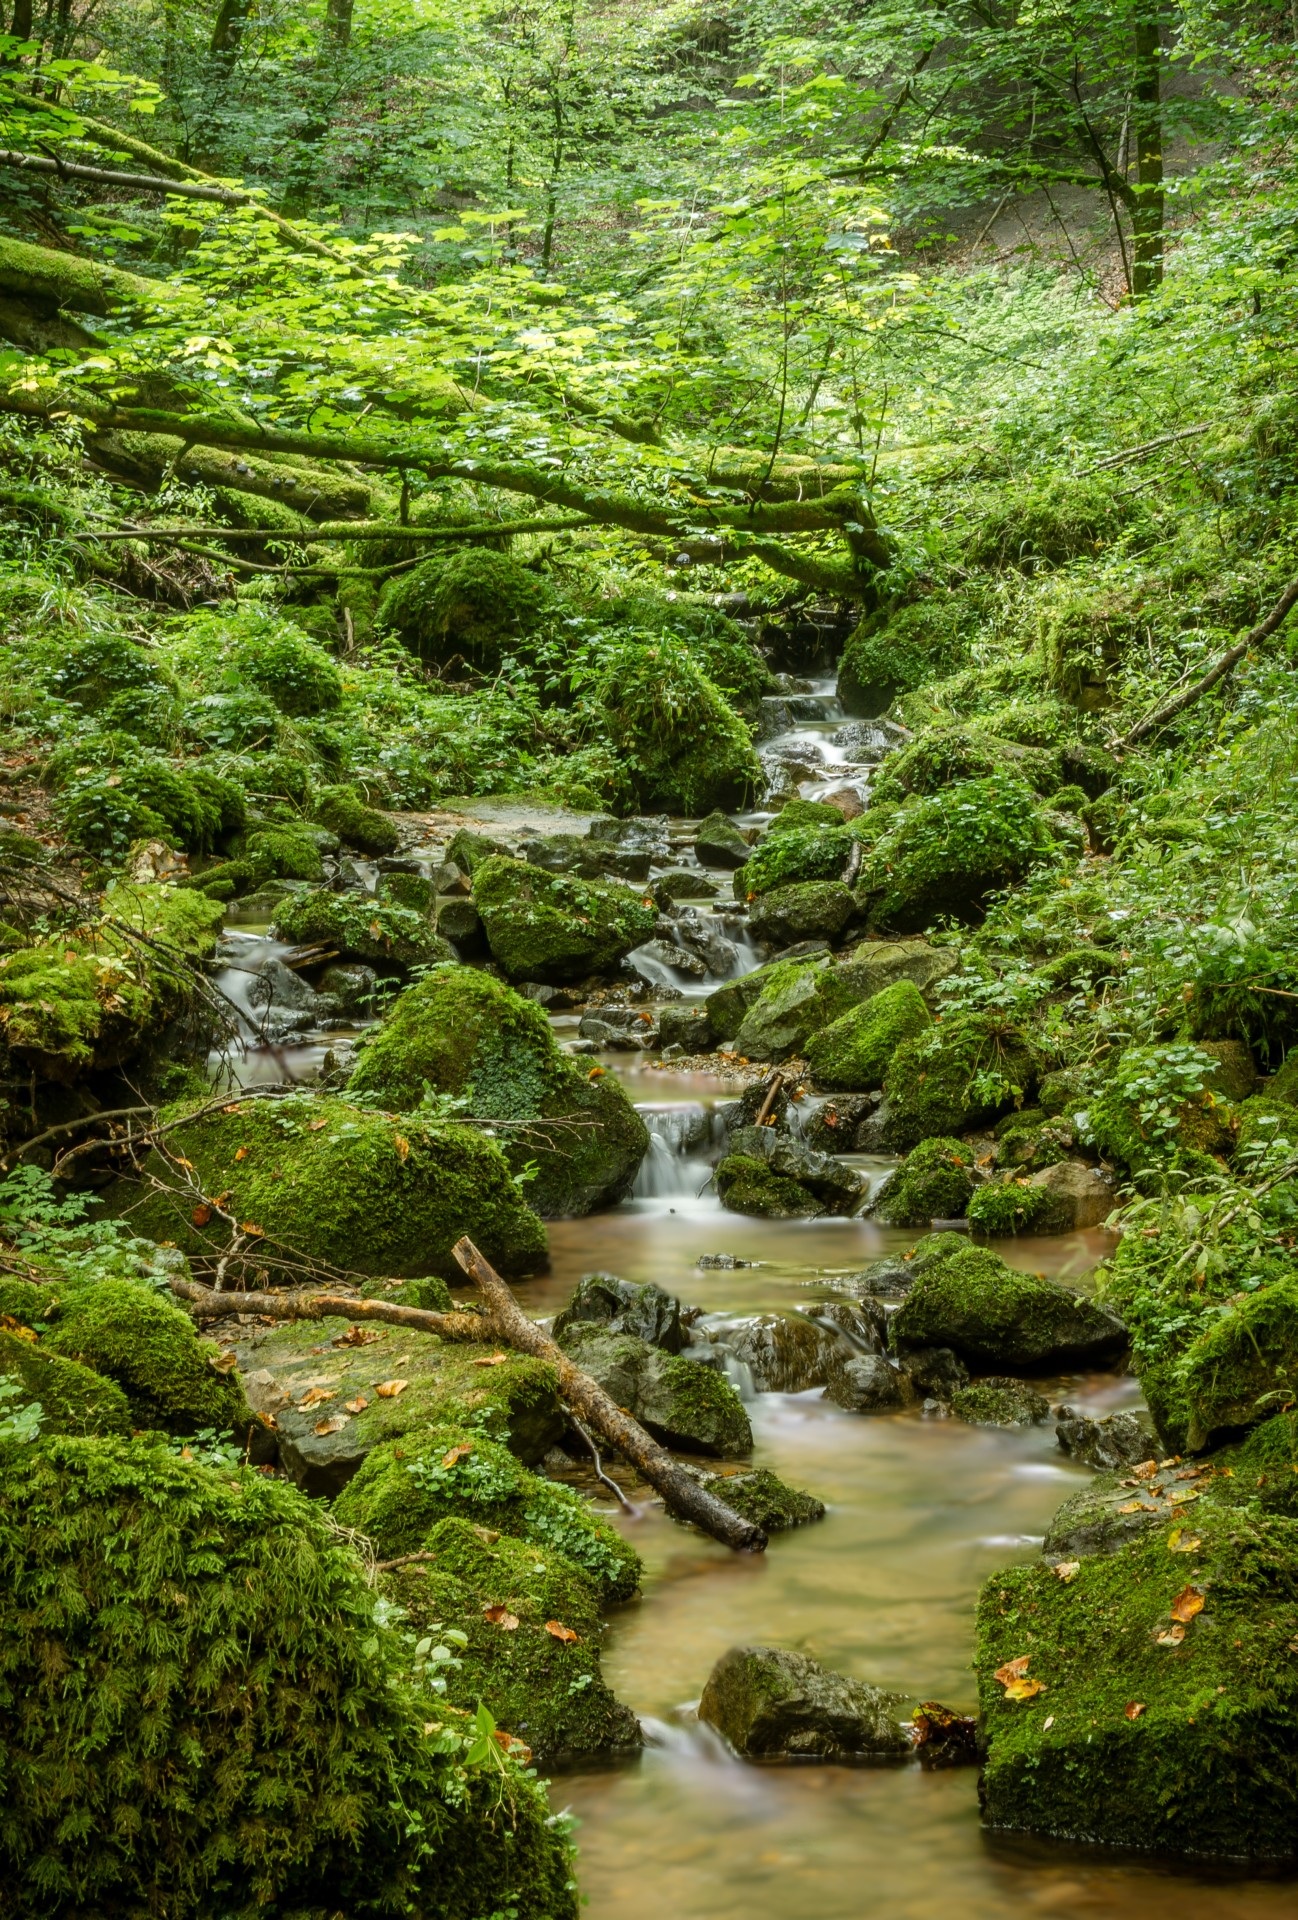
x=943, y=855
x=554, y=927
x=363, y=1191
x=93, y=670
x=461, y=1032
x=994, y=1315
x=745, y=1184
x=943, y=756
x=793, y=857
x=934, y=1182
x=756, y=1494
x=345, y=813
x=852, y=1053
x=958, y=1074
x=1265, y=1467
x=473, y=604
x=810, y=910
x=210, y=1716
x=26, y=1302
x=910, y=647
x=400, y=1493
x=1000, y=1403
x=1004, y=1207
x=1142, y=1737
x=357, y=927
x=1048, y=523
x=545, y=1689
x=73, y=1398
x=290, y=669
x=279, y=853
x=801, y=814
x=1158, y=1112
x=148, y=798
x=1244, y=1365
x=681, y=746
x=150, y=1348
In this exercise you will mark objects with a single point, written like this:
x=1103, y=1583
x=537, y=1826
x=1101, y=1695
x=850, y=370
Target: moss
x=729, y=1005
x=945, y=854
x=544, y=1688
x=853, y=1052
x=810, y=910
x=684, y=1403
x=1244, y=1365
x=747, y=1185
x=147, y=797
x=363, y=1191
x=995, y=1315
x=150, y=1348
x=356, y=927
x=960, y=1073
x=278, y=853
x=1000, y=1403
x=94, y=669
x=554, y=927
x=1158, y=1111
x=212, y=1715
x=758, y=1495
x=943, y=756
x=73, y=1398
x=1142, y=1737
x=1049, y=522
x=681, y=746
x=793, y=857
x=473, y=605
x=282, y=663
x=798, y=815
x=429, y=1292
x=402, y=1491
x=910, y=647
x=343, y=811
x=461, y=1032
x=1265, y=1467
x=1005, y=1207
x=934, y=1182
x=410, y=890
x=719, y=645
x=25, y=1302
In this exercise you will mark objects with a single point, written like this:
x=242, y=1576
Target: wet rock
x=682, y=1402
x=686, y=1027
x=862, y=1323
x=756, y=1494
x=554, y=927
x=702, y=937
x=723, y=1262
x=1079, y=1196
x=666, y=954
x=468, y=850
x=831, y=1126
x=647, y=835
x=771, y=1704
x=356, y=926
x=867, y=1383
x=719, y=843
x=737, y=1114
x=934, y=1182
x=623, y=1029
x=748, y=1185
x=784, y=1353
x=460, y=922
x=448, y=878
x=836, y=1186
x=935, y=1371
x=846, y=802
x=943, y=1738
x=808, y=910
x=992, y=1314
x=874, y=1132
x=869, y=740
x=1099, y=1517
x=780, y=1015
x=351, y=986
x=683, y=883
x=888, y=1279
x=1000, y=1403
x=283, y=993
x=624, y=1306
x=1117, y=1441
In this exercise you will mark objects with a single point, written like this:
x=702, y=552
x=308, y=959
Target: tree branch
x=1217, y=671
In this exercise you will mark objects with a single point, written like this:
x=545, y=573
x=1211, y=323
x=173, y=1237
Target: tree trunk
x=1147, y=121
x=336, y=34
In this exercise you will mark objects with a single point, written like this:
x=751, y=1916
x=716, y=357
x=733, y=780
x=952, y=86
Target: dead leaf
x=241, y=1153
x=1171, y=1636
x=314, y=1395
x=1179, y=1541
x=402, y=1146
x=560, y=1632
x=333, y=1425
x=1024, y=1689
x=1188, y=1604
x=1133, y=1506
x=1013, y=1669
x=1047, y=1723
x=222, y=1362
x=1146, y=1470
x=1067, y=1570
x=358, y=1405
x=314, y=1126
x=253, y=1231
x=512, y=1744
x=355, y=1337
x=235, y=1107
x=457, y=1453
x=201, y=1215
x=1134, y=1709
x=492, y=1360
x=181, y=1161
x=1182, y=1496
x=596, y=1073
x=389, y=1389
x=501, y=1617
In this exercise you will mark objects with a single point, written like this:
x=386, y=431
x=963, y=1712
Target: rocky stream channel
x=920, y=1506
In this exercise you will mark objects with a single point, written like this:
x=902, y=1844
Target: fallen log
x=504, y=1322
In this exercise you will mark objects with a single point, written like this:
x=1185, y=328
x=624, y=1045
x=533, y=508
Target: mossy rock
x=793, y=857
x=941, y=757
x=914, y=645
x=784, y=1008
x=358, y=1190
x=852, y=1054
x=943, y=855
x=745, y=1184
x=73, y=1398
x=684, y=1403
x=151, y=1349
x=1005, y=1207
x=552, y=927
x=28, y=1303
x=345, y=813
x=811, y=910
x=680, y=744
x=960, y=1073
x=1049, y=522
x=461, y=1032
x=280, y=661
x=1244, y=1366
x=93, y=669
x=1159, y=1111
x=1266, y=1465
x=1146, y=1732
x=772, y=1704
x=758, y=1495
x=282, y=853
x=934, y=1182
x=1000, y=1403
x=543, y=1687
x=356, y=927
x=106, y=808
x=210, y=1640
x=442, y=1473
x=473, y=605
x=995, y=1315
x=796, y=815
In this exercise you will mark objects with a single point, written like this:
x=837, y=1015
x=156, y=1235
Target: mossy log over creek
x=505, y=1321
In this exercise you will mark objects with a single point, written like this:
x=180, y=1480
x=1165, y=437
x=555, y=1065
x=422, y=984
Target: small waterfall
x=676, y=1165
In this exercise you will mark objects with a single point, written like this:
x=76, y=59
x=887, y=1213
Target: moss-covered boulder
x=943, y=855
x=1160, y=1109
x=1150, y=1699
x=1244, y=1366
x=623, y=1306
x=201, y=1710
x=794, y=858
x=781, y=1014
x=934, y=1182
x=956, y=1075
x=718, y=842
x=684, y=1403
x=553, y=927
x=442, y=1473
x=811, y=910
x=852, y=1054
x=73, y=1398
x=681, y=745
x=995, y=1315
x=472, y=606
x=772, y=1704
x=344, y=811
x=363, y=1191
x=1000, y=1403
x=151, y=1349
x=1003, y=1208
x=277, y=658
x=941, y=757
x=354, y=926
x=756, y=1494
x=836, y=1187
x=461, y=1032
x=885, y=657
x=531, y=1652
x=746, y=1184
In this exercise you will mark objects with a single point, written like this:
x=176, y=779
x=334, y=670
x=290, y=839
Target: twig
x=774, y=1087
x=72, y=1126
x=403, y=1560
x=1112, y=460
x=600, y=1474
x=1218, y=671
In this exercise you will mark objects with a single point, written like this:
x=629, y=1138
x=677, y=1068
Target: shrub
x=93, y=670
x=282, y=663
x=946, y=853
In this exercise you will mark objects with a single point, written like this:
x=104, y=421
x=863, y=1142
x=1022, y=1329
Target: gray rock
x=447, y=878
x=862, y=1323
x=808, y=910
x=869, y=740
x=702, y=937
x=1118, y=1441
x=350, y=984
x=757, y=1495
x=719, y=843
x=866, y=1383
x=1000, y=1403
x=839, y=1188
x=723, y=1262
x=1093, y=1521
x=686, y=1027
x=648, y=835
x=623, y=1306
x=935, y=1371
x=683, y=1402
x=888, y=1279
x=458, y=920
x=683, y=883
x=668, y=955
x=1080, y=1196
x=772, y=1704
x=777, y=1017
x=623, y=1029
x=784, y=1353
x=831, y=1126
x=874, y=1131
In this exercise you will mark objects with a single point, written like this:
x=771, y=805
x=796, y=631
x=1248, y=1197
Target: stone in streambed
x=867, y=1383
x=825, y=1184
x=995, y=1315
x=810, y=910
x=555, y=927
x=684, y=1403
x=719, y=843
x=623, y=1306
x=784, y=1352
x=772, y=1704
x=1000, y=1403
x=757, y=1495
x=853, y=1053
x=1118, y=1441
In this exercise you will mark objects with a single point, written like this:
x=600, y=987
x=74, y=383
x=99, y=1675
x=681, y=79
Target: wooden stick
x=682, y=1494
x=206, y=1304
x=1217, y=671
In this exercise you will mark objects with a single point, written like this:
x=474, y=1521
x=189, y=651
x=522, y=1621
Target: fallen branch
x=349, y=530
x=1217, y=671
x=206, y=1304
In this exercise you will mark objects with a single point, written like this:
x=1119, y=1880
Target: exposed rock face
x=994, y=1315
x=719, y=843
x=867, y=1383
x=771, y=1704
x=623, y=1306
x=784, y=1352
x=1118, y=1441
x=1080, y=1196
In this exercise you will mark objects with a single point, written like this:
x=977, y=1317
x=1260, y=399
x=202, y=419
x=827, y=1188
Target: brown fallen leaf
x=1171, y=1636
x=1067, y=1570
x=596, y=1073
x=1013, y=1669
x=492, y=1360
x=1024, y=1689
x=253, y=1231
x=358, y=1405
x=389, y=1389
x=558, y=1631
x=181, y=1161
x=1146, y=1470
x=402, y=1146
x=235, y=1106
x=1179, y=1541
x=1182, y=1496
x=201, y=1215
x=241, y=1153
x=314, y=1395
x=314, y=1126
x=222, y=1362
x=1188, y=1604
x=1132, y=1506
x=512, y=1744
x=355, y=1337
x=333, y=1425
x=501, y=1617
x=457, y=1453
x=1134, y=1709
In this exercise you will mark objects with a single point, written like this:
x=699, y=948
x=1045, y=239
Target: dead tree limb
x=206, y=1304
x=1217, y=671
